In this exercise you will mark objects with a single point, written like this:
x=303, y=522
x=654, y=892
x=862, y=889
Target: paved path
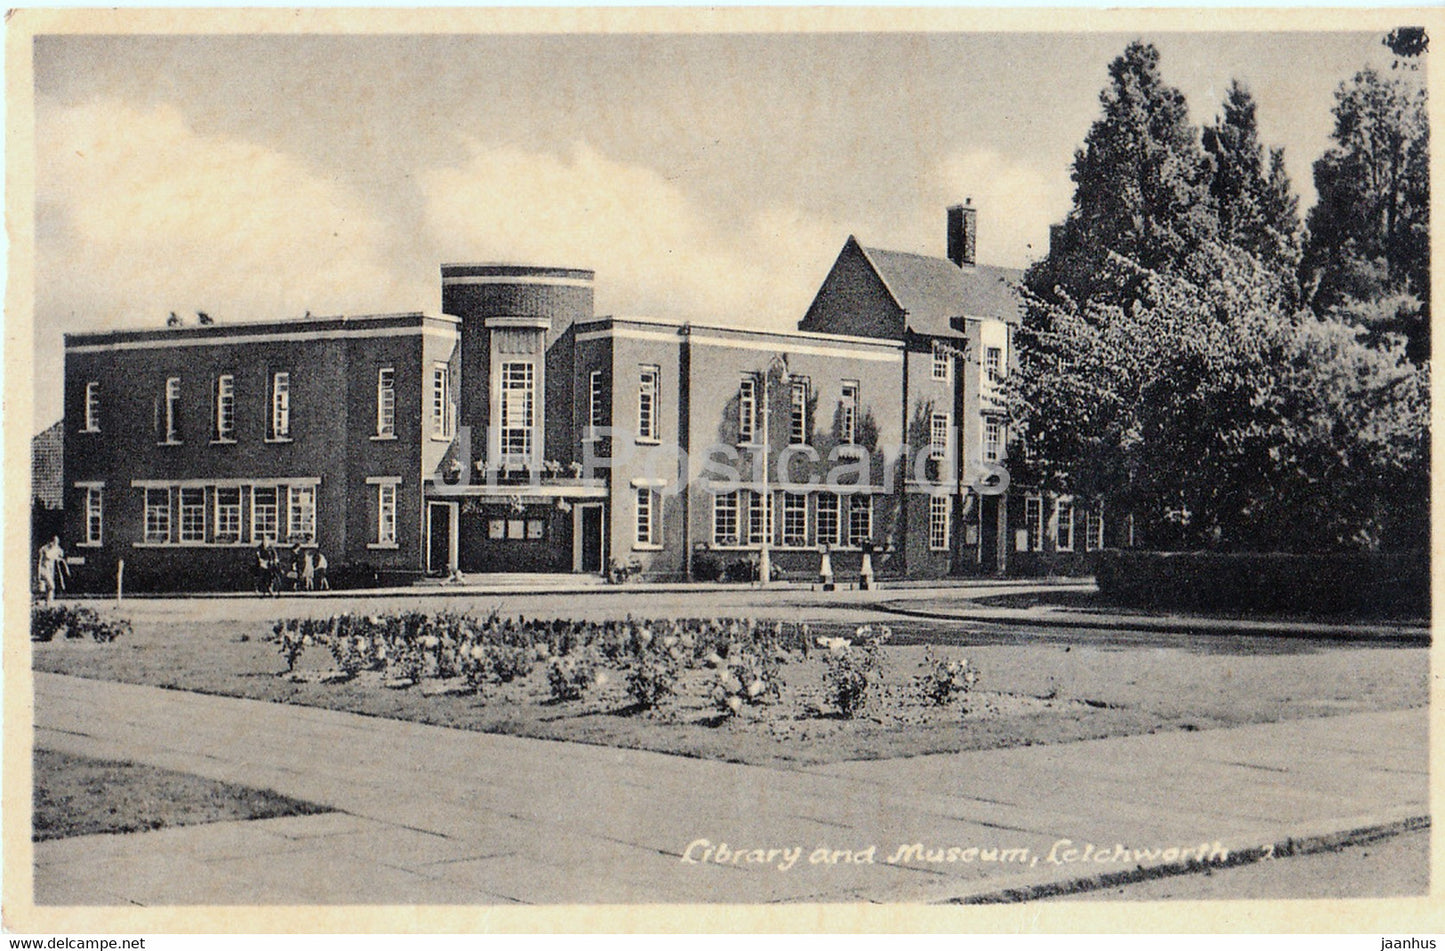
x=430, y=815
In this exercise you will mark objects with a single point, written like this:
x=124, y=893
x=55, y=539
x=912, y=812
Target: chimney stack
x=963, y=233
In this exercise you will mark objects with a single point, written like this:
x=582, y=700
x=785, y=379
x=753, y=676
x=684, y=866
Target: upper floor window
x=1064, y=525
x=798, y=412
x=518, y=409
x=993, y=363
x=647, y=403
x=942, y=363
x=848, y=410
x=386, y=401
x=441, y=400
x=225, y=408
x=171, y=412
x=992, y=439
x=92, y=408
x=280, y=427
x=1034, y=522
x=597, y=399
x=938, y=436
x=747, y=409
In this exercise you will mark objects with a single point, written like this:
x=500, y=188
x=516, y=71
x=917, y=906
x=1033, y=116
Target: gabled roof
x=934, y=290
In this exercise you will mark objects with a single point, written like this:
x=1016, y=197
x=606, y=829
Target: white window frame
x=597, y=401
x=938, y=426
x=798, y=412
x=441, y=400
x=748, y=410
x=1063, y=505
x=171, y=435
x=795, y=520
x=386, y=535
x=1034, y=521
x=726, y=507
x=828, y=504
x=226, y=514
x=860, y=503
x=94, y=515
x=1094, y=528
x=993, y=364
x=849, y=400
x=992, y=438
x=300, y=515
x=225, y=408
x=257, y=532
x=760, y=517
x=187, y=510
x=942, y=363
x=939, y=512
x=647, y=504
x=385, y=403
x=156, y=523
x=280, y=426
x=517, y=435
x=649, y=382
x=92, y=407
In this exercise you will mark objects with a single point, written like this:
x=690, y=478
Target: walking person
x=321, y=583
x=308, y=572
x=265, y=568
x=51, y=568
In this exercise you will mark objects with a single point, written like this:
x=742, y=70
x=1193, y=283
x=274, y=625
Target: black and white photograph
x=497, y=462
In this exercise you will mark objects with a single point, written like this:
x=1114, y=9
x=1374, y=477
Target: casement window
x=992, y=438
x=798, y=413
x=386, y=513
x=92, y=408
x=94, y=515
x=860, y=520
x=280, y=424
x=938, y=436
x=938, y=509
x=1034, y=522
x=225, y=408
x=265, y=513
x=648, y=512
x=518, y=410
x=760, y=517
x=1063, y=525
x=942, y=363
x=826, y=522
x=157, y=516
x=441, y=399
x=795, y=520
x=301, y=514
x=597, y=400
x=171, y=418
x=193, y=515
x=748, y=409
x=228, y=514
x=647, y=403
x=386, y=402
x=848, y=413
x=993, y=363
x=725, y=518
x=1094, y=528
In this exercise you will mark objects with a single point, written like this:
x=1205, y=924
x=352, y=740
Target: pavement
x=428, y=815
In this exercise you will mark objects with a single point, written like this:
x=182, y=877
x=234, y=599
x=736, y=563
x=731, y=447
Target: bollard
x=825, y=571
x=865, y=574
x=119, y=578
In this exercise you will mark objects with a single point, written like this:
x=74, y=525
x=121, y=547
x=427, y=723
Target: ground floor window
x=1034, y=522
x=795, y=520
x=648, y=503
x=1064, y=524
x=301, y=520
x=760, y=517
x=264, y=513
x=157, y=515
x=938, y=523
x=1094, y=528
x=193, y=514
x=860, y=520
x=386, y=514
x=725, y=518
x=826, y=520
x=93, y=515
x=228, y=514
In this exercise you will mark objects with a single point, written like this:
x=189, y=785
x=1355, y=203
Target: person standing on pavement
x=321, y=583
x=308, y=572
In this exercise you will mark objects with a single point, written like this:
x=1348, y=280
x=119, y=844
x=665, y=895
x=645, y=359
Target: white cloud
x=1016, y=203
x=656, y=250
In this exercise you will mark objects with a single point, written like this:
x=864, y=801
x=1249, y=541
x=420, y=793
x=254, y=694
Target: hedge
x=1361, y=584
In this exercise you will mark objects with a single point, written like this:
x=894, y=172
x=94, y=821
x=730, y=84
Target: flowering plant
x=945, y=679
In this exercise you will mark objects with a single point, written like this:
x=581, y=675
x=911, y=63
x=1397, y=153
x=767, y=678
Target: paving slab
x=429, y=815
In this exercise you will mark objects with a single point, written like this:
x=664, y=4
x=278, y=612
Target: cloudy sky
x=708, y=178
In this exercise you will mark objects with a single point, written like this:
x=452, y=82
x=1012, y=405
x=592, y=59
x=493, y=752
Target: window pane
x=725, y=518
x=645, y=517
x=938, y=523
x=301, y=524
x=157, y=515
x=747, y=409
x=225, y=407
x=228, y=514
x=386, y=514
x=795, y=520
x=193, y=515
x=827, y=518
x=938, y=436
x=647, y=403
x=93, y=515
x=518, y=411
x=281, y=405
x=860, y=519
x=264, y=513
x=386, y=402
x=1033, y=521
x=798, y=419
x=598, y=397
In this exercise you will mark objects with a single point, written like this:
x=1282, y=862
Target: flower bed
x=78, y=623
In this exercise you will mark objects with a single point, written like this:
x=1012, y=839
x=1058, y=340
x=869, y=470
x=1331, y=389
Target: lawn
x=77, y=795
x=1031, y=690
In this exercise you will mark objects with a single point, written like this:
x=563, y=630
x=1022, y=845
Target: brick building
x=520, y=431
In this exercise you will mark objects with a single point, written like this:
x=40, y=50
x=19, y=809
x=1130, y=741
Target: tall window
x=386, y=401
x=647, y=517
x=1094, y=528
x=938, y=522
x=281, y=405
x=798, y=413
x=826, y=519
x=441, y=395
x=92, y=408
x=992, y=438
x=647, y=403
x=795, y=520
x=1034, y=522
x=265, y=513
x=597, y=396
x=1063, y=525
x=228, y=514
x=301, y=517
x=760, y=517
x=938, y=436
x=860, y=519
x=157, y=515
x=725, y=518
x=225, y=407
x=849, y=411
x=993, y=363
x=518, y=410
x=386, y=513
x=193, y=514
x=172, y=418
x=94, y=515
x=942, y=363
x=747, y=409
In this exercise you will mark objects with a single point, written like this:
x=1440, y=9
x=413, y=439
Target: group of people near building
x=304, y=570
